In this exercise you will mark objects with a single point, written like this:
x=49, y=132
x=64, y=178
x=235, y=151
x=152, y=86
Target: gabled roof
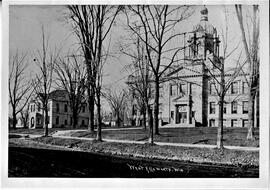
x=56, y=94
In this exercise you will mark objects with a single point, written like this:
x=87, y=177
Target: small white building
x=59, y=112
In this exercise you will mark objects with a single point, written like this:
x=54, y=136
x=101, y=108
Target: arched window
x=32, y=122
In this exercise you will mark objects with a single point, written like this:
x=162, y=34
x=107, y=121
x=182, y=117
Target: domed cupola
x=204, y=26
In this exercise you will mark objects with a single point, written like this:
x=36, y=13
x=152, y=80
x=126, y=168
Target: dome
x=204, y=25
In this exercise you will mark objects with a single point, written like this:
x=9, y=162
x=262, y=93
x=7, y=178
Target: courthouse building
x=188, y=95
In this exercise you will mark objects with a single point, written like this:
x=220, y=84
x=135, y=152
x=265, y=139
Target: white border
x=120, y=183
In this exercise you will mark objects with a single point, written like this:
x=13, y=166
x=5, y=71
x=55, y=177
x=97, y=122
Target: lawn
x=199, y=135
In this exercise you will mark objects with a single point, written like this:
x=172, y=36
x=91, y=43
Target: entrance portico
x=182, y=109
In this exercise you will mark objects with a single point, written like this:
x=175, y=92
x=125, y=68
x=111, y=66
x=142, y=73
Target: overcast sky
x=25, y=33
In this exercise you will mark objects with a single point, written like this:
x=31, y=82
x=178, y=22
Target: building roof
x=58, y=94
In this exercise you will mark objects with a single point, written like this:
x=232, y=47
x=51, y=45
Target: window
x=34, y=107
x=224, y=108
x=66, y=108
x=245, y=107
x=224, y=123
x=57, y=107
x=71, y=121
x=82, y=122
x=212, y=88
x=32, y=122
x=212, y=108
x=57, y=120
x=31, y=108
x=161, y=91
x=234, y=107
x=234, y=123
x=245, y=122
x=245, y=88
x=65, y=122
x=212, y=123
x=234, y=88
x=83, y=109
x=173, y=90
x=172, y=114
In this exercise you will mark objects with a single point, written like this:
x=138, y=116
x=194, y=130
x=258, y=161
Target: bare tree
x=155, y=26
x=18, y=86
x=92, y=24
x=43, y=81
x=217, y=74
x=252, y=51
x=117, y=102
x=139, y=83
x=70, y=77
x=25, y=116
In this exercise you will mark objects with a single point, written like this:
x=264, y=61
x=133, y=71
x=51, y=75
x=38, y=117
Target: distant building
x=59, y=115
x=187, y=93
x=19, y=123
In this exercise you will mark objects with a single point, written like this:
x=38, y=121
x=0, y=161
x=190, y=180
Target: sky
x=25, y=34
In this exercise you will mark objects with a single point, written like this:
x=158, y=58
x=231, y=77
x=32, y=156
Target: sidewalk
x=58, y=135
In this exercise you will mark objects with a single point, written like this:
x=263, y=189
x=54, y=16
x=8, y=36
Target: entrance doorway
x=181, y=114
x=181, y=117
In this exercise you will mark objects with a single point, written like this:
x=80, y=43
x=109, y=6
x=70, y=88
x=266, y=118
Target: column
x=188, y=113
x=175, y=113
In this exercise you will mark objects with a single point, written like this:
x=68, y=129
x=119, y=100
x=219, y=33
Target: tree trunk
x=75, y=119
x=258, y=109
x=144, y=118
x=220, y=123
x=91, y=104
x=156, y=106
x=250, y=135
x=220, y=107
x=118, y=120
x=99, y=122
x=46, y=130
x=150, y=124
x=14, y=120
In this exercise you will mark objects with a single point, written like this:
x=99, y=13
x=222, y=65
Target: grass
x=201, y=155
x=232, y=136
x=198, y=135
